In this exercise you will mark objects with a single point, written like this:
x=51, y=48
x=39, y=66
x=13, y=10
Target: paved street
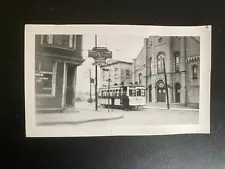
x=150, y=116
x=88, y=117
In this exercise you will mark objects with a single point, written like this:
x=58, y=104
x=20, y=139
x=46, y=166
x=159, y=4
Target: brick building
x=182, y=65
x=56, y=61
x=119, y=72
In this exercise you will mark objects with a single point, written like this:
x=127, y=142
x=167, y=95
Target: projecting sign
x=100, y=60
x=100, y=53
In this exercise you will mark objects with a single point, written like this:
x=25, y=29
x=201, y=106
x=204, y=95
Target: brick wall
x=187, y=47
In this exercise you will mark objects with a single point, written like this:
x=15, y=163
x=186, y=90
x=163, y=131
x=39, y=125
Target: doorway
x=70, y=86
x=161, y=92
x=150, y=93
x=177, y=92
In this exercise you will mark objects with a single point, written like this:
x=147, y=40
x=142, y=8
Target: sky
x=124, y=48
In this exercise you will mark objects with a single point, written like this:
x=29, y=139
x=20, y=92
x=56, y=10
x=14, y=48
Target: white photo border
x=70, y=131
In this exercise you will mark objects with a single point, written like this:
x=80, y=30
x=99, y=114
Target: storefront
x=55, y=76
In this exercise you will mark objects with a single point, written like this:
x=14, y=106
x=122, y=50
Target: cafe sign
x=39, y=77
x=100, y=52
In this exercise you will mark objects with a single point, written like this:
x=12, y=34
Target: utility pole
x=146, y=66
x=167, y=95
x=96, y=80
x=90, y=86
x=109, y=92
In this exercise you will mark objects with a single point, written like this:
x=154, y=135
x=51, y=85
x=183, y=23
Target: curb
x=79, y=122
x=159, y=108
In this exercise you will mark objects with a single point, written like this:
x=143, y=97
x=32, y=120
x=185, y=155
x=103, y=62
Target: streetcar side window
x=114, y=93
x=132, y=92
x=120, y=92
x=142, y=92
x=117, y=93
x=138, y=92
x=104, y=93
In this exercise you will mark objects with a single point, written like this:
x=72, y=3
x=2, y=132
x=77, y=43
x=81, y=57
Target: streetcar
x=136, y=94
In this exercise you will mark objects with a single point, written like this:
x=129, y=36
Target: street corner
x=77, y=118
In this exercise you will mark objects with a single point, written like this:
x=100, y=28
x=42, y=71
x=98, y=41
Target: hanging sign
x=100, y=52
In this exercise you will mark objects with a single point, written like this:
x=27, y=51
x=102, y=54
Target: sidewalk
x=172, y=108
x=83, y=116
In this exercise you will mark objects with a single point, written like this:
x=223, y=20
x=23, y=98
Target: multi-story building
x=119, y=72
x=56, y=60
x=181, y=56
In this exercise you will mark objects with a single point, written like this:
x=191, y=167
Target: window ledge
x=58, y=46
x=44, y=96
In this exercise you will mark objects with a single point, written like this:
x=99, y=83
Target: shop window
x=45, y=77
x=194, y=72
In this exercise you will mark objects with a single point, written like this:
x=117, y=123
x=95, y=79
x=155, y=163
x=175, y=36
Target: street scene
x=99, y=80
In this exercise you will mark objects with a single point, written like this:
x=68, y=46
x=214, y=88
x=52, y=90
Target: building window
x=160, y=65
x=140, y=78
x=160, y=40
x=45, y=39
x=127, y=74
x=62, y=40
x=116, y=76
x=177, y=62
x=150, y=66
x=45, y=78
x=116, y=69
x=194, y=72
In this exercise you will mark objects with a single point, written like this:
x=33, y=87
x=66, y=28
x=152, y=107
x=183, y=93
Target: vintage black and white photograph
x=116, y=80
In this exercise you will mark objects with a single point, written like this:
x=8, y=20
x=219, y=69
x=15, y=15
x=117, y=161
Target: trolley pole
x=96, y=80
x=167, y=93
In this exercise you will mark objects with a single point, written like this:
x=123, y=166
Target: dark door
x=177, y=93
x=70, y=86
x=150, y=93
x=161, y=95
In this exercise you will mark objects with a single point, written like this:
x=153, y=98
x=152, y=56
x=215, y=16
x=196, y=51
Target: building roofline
x=116, y=62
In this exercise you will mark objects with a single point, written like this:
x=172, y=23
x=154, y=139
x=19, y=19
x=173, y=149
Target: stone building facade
x=119, y=72
x=56, y=60
x=181, y=57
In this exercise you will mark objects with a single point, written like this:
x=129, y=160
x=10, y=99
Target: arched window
x=194, y=72
x=140, y=78
x=160, y=65
x=177, y=62
x=150, y=66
